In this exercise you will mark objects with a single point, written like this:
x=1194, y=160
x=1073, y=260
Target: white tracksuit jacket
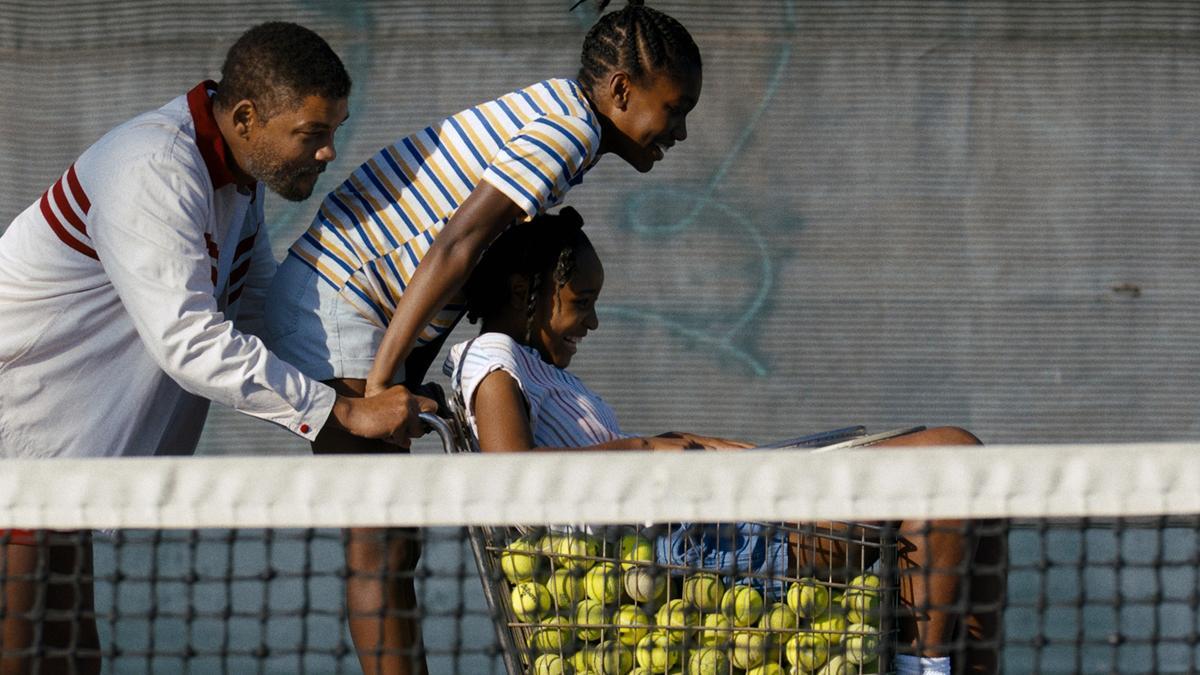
x=117, y=291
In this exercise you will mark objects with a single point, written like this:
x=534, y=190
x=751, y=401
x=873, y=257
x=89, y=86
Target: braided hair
x=545, y=247
x=638, y=40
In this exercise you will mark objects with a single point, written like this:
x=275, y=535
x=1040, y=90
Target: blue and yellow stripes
x=372, y=231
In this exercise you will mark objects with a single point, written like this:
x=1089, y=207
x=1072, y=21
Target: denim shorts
x=311, y=326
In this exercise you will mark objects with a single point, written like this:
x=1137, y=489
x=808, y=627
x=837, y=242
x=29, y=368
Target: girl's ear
x=518, y=292
x=619, y=86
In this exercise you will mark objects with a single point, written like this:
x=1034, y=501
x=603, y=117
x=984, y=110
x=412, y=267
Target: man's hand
x=392, y=415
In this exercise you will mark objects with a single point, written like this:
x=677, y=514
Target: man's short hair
x=277, y=65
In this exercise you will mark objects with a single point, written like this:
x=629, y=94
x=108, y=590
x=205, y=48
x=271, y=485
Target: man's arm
x=150, y=240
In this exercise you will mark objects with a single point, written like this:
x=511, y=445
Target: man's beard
x=287, y=179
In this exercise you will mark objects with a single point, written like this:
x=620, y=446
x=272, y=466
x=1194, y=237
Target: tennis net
x=239, y=564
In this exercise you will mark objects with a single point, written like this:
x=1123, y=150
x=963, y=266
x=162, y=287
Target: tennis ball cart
x=749, y=598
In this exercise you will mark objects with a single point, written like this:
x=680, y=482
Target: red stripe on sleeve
x=213, y=251
x=67, y=210
x=235, y=294
x=214, y=275
x=77, y=192
x=244, y=246
x=62, y=232
x=239, y=272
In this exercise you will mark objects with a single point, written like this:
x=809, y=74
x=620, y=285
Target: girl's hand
x=374, y=388
x=688, y=441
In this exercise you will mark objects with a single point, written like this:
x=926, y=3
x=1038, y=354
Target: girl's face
x=651, y=117
x=564, y=316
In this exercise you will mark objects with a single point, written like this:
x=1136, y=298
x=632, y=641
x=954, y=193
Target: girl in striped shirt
x=380, y=269
x=535, y=291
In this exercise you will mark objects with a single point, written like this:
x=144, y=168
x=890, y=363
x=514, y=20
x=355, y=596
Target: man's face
x=289, y=150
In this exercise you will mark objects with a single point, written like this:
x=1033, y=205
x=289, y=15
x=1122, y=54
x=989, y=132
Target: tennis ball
x=635, y=548
x=530, y=601
x=861, y=605
x=808, y=598
x=716, y=631
x=861, y=643
x=582, y=660
x=675, y=618
x=708, y=661
x=645, y=584
x=703, y=591
x=548, y=543
x=749, y=649
x=656, y=653
x=806, y=650
x=612, y=658
x=779, y=617
x=552, y=664
x=632, y=625
x=767, y=669
x=552, y=635
x=589, y=614
x=603, y=583
x=742, y=604
x=566, y=587
x=832, y=627
x=519, y=560
x=838, y=665
x=575, y=551
x=863, y=582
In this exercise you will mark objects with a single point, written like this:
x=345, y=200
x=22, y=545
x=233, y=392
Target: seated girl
x=535, y=291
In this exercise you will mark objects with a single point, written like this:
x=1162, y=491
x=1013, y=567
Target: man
x=118, y=287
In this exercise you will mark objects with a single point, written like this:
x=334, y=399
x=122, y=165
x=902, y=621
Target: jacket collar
x=212, y=144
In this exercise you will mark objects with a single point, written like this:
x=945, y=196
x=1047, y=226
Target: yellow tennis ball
x=743, y=605
x=589, y=615
x=612, y=658
x=779, y=617
x=582, y=660
x=645, y=584
x=552, y=664
x=861, y=606
x=632, y=625
x=864, y=582
x=703, y=591
x=530, y=601
x=552, y=635
x=635, y=548
x=861, y=643
x=519, y=561
x=716, y=630
x=566, y=587
x=767, y=669
x=548, y=543
x=575, y=551
x=708, y=661
x=808, y=597
x=603, y=583
x=749, y=649
x=832, y=627
x=675, y=618
x=656, y=653
x=806, y=650
x=838, y=665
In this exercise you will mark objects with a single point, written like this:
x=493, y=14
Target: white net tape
x=860, y=484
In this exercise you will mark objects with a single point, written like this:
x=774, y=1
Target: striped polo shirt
x=371, y=232
x=563, y=412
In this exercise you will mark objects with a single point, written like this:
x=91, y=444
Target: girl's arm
x=441, y=273
x=503, y=420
